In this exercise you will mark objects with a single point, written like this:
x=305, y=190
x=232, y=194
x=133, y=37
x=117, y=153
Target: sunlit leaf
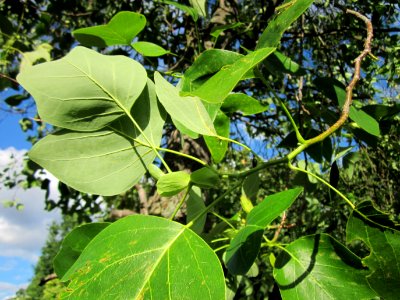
x=84, y=90
x=172, y=183
x=319, y=267
x=120, y=30
x=189, y=10
x=145, y=257
x=216, y=146
x=41, y=53
x=149, y=49
x=199, y=6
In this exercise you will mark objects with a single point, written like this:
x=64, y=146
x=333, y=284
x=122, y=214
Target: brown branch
x=9, y=78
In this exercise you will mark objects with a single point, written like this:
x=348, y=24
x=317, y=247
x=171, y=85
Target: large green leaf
x=272, y=206
x=172, y=183
x=242, y=103
x=216, y=146
x=108, y=161
x=208, y=63
x=145, y=257
x=73, y=245
x=244, y=249
x=286, y=15
x=189, y=111
x=85, y=90
x=218, y=87
x=383, y=242
x=121, y=30
x=319, y=267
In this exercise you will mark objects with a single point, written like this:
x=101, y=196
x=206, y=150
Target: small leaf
x=73, y=245
x=319, y=267
x=121, y=30
x=243, y=249
x=85, y=90
x=149, y=49
x=15, y=100
x=155, y=171
x=187, y=9
x=217, y=88
x=333, y=178
x=251, y=185
x=383, y=241
x=216, y=31
x=284, y=18
x=194, y=206
x=41, y=52
x=172, y=183
x=265, y=212
x=189, y=111
x=205, y=177
x=146, y=257
x=199, y=6
x=216, y=146
x=279, y=64
x=365, y=121
x=243, y=103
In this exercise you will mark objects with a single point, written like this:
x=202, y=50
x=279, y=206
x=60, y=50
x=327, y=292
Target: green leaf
x=149, y=49
x=382, y=112
x=15, y=100
x=120, y=30
x=146, y=257
x=279, y=64
x=289, y=12
x=208, y=63
x=85, y=90
x=155, y=171
x=205, y=177
x=365, y=121
x=41, y=53
x=172, y=183
x=217, y=88
x=268, y=210
x=243, y=103
x=187, y=9
x=189, y=111
x=108, y=161
x=194, y=206
x=251, y=185
x=216, y=146
x=73, y=245
x=199, y=6
x=384, y=245
x=243, y=249
x=319, y=267
x=217, y=30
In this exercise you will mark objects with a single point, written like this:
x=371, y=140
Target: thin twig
x=9, y=78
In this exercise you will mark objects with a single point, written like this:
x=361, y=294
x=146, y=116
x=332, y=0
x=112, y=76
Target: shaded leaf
x=243, y=249
x=194, y=206
x=15, y=100
x=189, y=10
x=189, y=111
x=243, y=103
x=289, y=12
x=73, y=245
x=146, y=257
x=84, y=90
x=319, y=267
x=365, y=121
x=41, y=53
x=271, y=207
x=279, y=64
x=217, y=88
x=149, y=49
x=120, y=30
x=216, y=31
x=205, y=177
x=172, y=183
x=216, y=146
x=383, y=241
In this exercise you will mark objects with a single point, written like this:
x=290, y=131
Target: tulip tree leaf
x=146, y=257
x=85, y=90
x=286, y=14
x=108, y=161
x=189, y=111
x=149, y=49
x=272, y=206
x=73, y=245
x=244, y=249
x=199, y=6
x=365, y=121
x=187, y=9
x=41, y=52
x=205, y=177
x=121, y=30
x=217, y=88
x=216, y=146
x=383, y=242
x=279, y=64
x=172, y=183
x=319, y=267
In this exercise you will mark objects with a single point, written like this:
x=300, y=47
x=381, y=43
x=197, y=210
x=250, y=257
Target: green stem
x=224, y=220
x=324, y=182
x=216, y=201
x=178, y=207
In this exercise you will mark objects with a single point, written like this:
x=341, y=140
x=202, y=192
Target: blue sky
x=22, y=233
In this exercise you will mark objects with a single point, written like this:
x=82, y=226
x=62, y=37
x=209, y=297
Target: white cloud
x=7, y=290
